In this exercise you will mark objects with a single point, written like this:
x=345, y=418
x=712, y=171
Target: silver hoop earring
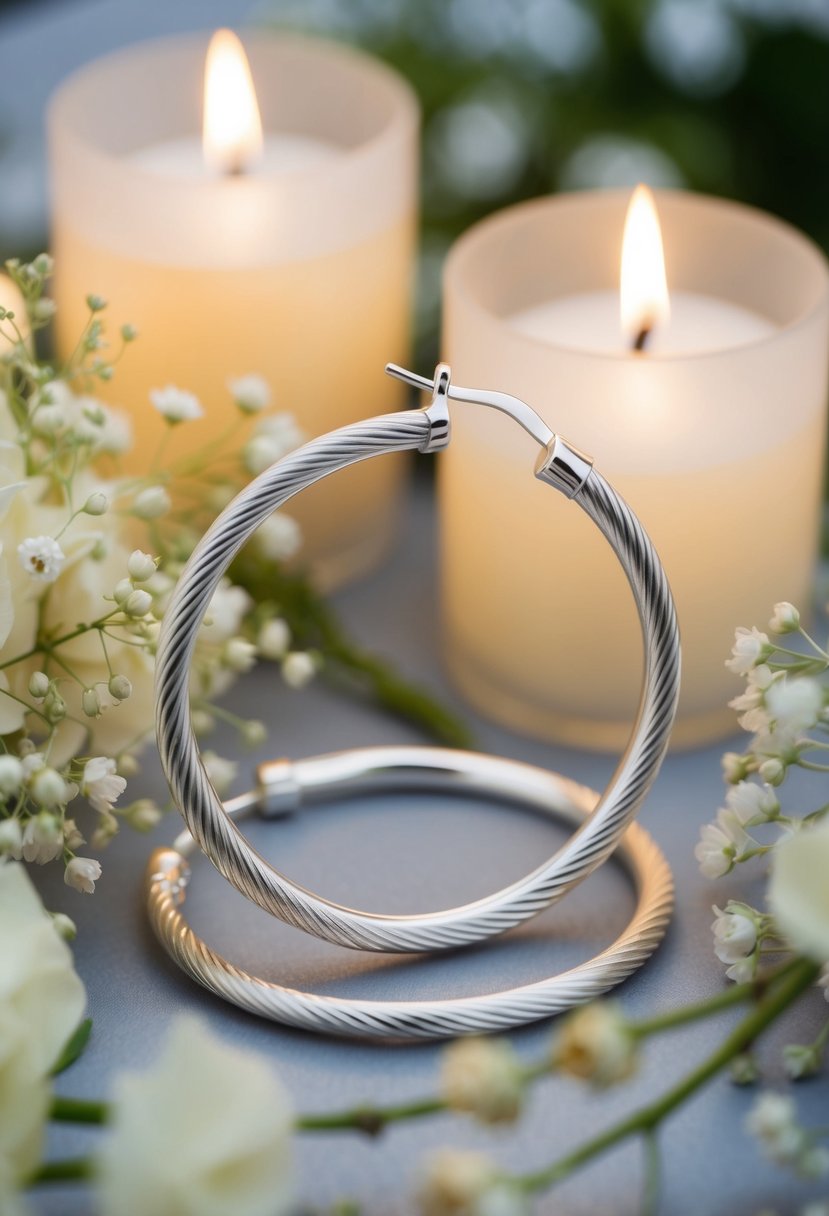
x=559, y=466
x=372, y=770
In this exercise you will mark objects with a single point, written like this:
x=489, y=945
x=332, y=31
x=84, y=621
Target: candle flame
x=232, y=129
x=644, y=289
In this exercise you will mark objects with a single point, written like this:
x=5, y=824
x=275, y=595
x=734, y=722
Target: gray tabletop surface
x=416, y=853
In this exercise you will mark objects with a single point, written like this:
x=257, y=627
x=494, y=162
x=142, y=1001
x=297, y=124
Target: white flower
x=595, y=1043
x=274, y=639
x=103, y=428
x=221, y=772
x=750, y=648
x=39, y=684
x=275, y=436
x=42, y=838
x=799, y=891
x=743, y=970
x=456, y=1182
x=483, y=1077
x=82, y=873
x=735, y=933
x=794, y=705
x=785, y=618
x=752, y=803
x=138, y=603
x=96, y=504
x=11, y=838
x=143, y=814
x=141, y=566
x=238, y=654
x=298, y=669
x=278, y=537
x=11, y=775
x=772, y=771
x=100, y=783
x=227, y=610
x=720, y=844
x=773, y=1120
x=204, y=1132
x=151, y=502
x=251, y=393
x=176, y=404
x=119, y=687
x=735, y=767
x=91, y=703
x=39, y=988
x=41, y=557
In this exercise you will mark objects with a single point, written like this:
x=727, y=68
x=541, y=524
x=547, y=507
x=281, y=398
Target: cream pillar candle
x=297, y=268
x=715, y=434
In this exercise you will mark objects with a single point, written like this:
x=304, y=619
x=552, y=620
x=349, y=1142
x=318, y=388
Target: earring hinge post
x=522, y=413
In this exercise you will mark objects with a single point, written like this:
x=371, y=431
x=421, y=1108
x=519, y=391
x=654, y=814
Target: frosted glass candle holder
x=299, y=270
x=721, y=453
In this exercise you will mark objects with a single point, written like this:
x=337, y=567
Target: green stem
x=75, y=1169
x=782, y=992
x=78, y=1110
x=736, y=994
x=653, y=1176
x=368, y=1119
x=46, y=647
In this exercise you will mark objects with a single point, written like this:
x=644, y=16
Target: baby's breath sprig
x=80, y=606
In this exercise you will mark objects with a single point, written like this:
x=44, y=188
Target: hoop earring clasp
x=561, y=465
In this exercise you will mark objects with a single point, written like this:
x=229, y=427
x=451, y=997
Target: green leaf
x=74, y=1048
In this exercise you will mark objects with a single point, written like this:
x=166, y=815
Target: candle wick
x=641, y=338
x=234, y=168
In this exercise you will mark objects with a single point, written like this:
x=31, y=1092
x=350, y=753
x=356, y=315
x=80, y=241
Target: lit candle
x=277, y=241
x=706, y=407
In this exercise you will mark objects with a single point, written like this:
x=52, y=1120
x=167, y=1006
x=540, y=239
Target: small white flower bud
x=785, y=618
x=123, y=590
x=48, y=419
x=82, y=873
x=38, y=684
x=25, y=748
x=250, y=393
x=95, y=303
x=54, y=706
x=254, y=733
x=735, y=767
x=104, y=832
x=65, y=926
x=298, y=669
x=203, y=722
x=31, y=760
x=42, y=838
x=96, y=504
x=128, y=766
x=141, y=566
x=772, y=771
x=744, y=1069
x=138, y=603
x=220, y=771
x=151, y=503
x=43, y=309
x=48, y=788
x=176, y=404
x=72, y=837
x=274, y=639
x=11, y=776
x=595, y=1043
x=128, y=333
x=119, y=687
x=11, y=839
x=238, y=654
x=91, y=703
x=483, y=1078
x=143, y=815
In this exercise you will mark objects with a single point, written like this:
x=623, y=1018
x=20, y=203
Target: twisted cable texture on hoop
x=221, y=840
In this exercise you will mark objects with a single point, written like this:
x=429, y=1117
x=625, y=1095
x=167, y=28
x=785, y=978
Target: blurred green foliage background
x=526, y=97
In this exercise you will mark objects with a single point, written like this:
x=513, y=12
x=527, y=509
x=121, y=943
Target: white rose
x=38, y=984
x=205, y=1131
x=799, y=890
